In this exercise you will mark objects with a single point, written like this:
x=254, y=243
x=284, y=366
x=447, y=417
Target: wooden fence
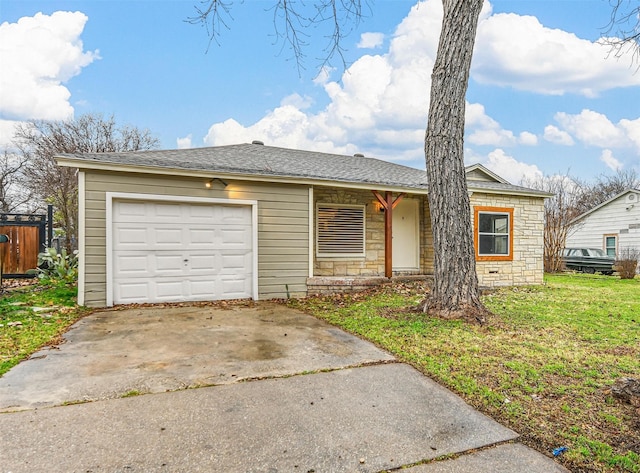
x=27, y=237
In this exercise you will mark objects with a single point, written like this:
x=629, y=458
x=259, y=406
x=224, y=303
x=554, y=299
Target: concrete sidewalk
x=337, y=416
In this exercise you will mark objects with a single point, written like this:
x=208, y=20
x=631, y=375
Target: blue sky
x=544, y=96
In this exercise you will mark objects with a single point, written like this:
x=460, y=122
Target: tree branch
x=291, y=21
x=622, y=33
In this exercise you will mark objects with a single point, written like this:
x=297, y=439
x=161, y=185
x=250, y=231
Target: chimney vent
x=257, y=142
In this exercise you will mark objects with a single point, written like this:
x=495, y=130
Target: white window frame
x=615, y=246
x=321, y=232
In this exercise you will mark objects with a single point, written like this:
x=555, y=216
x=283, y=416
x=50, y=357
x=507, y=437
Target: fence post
x=3, y=239
x=49, y=225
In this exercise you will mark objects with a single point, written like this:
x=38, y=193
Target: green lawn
x=542, y=365
x=33, y=317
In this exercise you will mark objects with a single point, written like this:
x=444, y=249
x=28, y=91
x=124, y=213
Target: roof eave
x=69, y=161
x=518, y=192
x=82, y=164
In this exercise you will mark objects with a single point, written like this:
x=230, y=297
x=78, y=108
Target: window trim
x=476, y=232
x=318, y=233
x=604, y=243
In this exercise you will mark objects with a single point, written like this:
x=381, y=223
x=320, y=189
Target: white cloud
x=184, y=143
x=554, y=135
x=38, y=55
x=7, y=128
x=482, y=130
x=592, y=128
x=510, y=169
x=379, y=105
x=323, y=75
x=611, y=162
x=632, y=129
x=297, y=101
x=492, y=137
x=518, y=51
x=528, y=139
x=370, y=40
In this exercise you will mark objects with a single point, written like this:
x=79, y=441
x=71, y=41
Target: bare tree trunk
x=456, y=291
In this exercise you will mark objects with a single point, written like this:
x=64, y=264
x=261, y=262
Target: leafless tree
x=293, y=22
x=39, y=141
x=14, y=197
x=623, y=31
x=456, y=291
x=605, y=187
x=560, y=212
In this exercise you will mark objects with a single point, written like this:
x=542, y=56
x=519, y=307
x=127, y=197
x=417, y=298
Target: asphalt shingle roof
x=266, y=161
x=270, y=161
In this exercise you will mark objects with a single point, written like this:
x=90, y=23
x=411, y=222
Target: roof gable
x=477, y=172
x=635, y=192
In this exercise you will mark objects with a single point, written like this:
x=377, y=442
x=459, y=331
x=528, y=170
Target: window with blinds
x=340, y=230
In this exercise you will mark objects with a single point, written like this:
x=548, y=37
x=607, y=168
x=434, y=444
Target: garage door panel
x=129, y=292
x=200, y=236
x=235, y=288
x=168, y=289
x=181, y=252
x=165, y=262
x=130, y=212
x=168, y=236
x=235, y=237
x=198, y=213
x=235, y=214
x=204, y=262
x=202, y=288
x=238, y=262
x=131, y=264
x=162, y=211
x=131, y=235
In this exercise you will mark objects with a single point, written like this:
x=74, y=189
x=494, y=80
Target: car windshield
x=596, y=252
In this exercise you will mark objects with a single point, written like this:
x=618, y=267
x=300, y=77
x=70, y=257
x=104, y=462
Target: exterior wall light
x=212, y=182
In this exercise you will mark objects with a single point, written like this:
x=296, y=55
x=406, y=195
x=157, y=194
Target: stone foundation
x=335, y=285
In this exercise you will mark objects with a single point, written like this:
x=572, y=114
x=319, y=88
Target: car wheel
x=607, y=273
x=588, y=270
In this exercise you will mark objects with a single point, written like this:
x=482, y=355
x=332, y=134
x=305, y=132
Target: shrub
x=627, y=263
x=58, y=267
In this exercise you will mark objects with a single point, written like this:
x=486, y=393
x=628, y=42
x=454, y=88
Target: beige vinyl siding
x=477, y=175
x=283, y=226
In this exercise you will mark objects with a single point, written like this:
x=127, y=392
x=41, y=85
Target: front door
x=406, y=236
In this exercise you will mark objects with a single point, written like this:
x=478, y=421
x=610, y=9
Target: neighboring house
x=611, y=226
x=254, y=221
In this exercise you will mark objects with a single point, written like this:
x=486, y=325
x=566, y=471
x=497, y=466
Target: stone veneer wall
x=373, y=263
x=528, y=242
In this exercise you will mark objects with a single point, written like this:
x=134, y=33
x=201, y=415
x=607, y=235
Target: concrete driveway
x=279, y=391
x=159, y=349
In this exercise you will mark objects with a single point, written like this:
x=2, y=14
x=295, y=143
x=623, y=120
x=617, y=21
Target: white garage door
x=166, y=251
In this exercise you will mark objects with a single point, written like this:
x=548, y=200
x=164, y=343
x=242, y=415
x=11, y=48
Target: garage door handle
x=186, y=260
